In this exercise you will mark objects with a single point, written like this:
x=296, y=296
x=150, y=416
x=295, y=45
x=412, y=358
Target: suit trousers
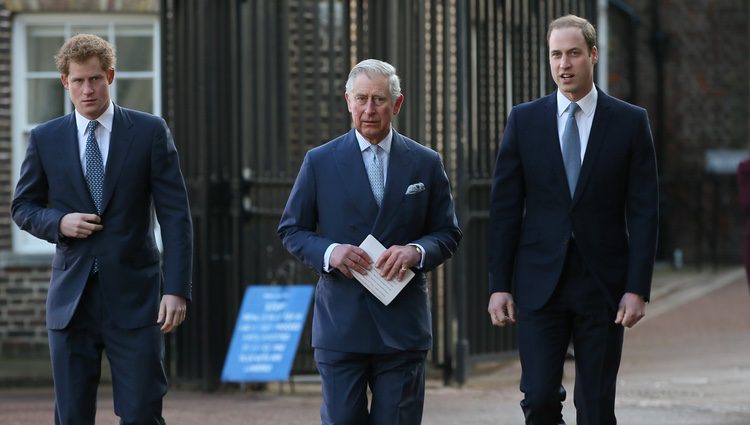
x=396, y=381
x=135, y=357
x=578, y=309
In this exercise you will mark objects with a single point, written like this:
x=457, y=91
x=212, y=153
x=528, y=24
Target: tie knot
x=573, y=108
x=92, y=126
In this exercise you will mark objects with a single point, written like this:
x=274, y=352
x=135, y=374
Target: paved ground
x=688, y=364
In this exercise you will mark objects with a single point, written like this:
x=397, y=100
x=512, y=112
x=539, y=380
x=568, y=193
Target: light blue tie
x=375, y=174
x=571, y=148
x=94, y=173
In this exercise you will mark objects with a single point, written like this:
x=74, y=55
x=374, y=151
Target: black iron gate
x=251, y=85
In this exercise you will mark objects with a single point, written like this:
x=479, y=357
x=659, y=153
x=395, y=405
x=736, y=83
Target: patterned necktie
x=94, y=167
x=94, y=174
x=571, y=146
x=375, y=173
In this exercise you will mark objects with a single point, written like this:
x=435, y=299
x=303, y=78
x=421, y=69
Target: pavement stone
x=687, y=363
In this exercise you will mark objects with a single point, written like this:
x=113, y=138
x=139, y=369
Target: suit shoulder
x=420, y=148
x=622, y=106
x=326, y=148
x=52, y=127
x=141, y=118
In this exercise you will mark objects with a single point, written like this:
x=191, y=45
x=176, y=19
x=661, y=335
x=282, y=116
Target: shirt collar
x=105, y=120
x=385, y=144
x=587, y=103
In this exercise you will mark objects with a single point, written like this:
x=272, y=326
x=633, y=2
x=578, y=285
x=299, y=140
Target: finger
x=512, y=312
x=345, y=271
x=168, y=321
x=162, y=313
x=362, y=261
x=384, y=257
x=356, y=266
x=620, y=315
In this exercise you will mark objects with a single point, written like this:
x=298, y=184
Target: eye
x=379, y=100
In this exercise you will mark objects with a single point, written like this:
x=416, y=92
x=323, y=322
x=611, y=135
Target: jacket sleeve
x=173, y=212
x=29, y=206
x=642, y=210
x=299, y=221
x=506, y=210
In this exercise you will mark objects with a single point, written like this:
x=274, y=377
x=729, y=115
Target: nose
x=87, y=88
x=370, y=106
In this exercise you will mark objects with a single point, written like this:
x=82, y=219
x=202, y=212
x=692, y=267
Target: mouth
x=567, y=78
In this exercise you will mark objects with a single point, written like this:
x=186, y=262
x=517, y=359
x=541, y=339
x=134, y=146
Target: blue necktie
x=94, y=167
x=375, y=174
x=571, y=148
x=94, y=173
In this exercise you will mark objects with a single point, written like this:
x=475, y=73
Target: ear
x=594, y=55
x=64, y=80
x=397, y=104
x=110, y=75
x=348, y=102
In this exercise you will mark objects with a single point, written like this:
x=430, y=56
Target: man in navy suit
x=89, y=184
x=573, y=224
x=371, y=180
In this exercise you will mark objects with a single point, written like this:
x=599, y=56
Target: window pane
x=46, y=100
x=135, y=93
x=42, y=44
x=135, y=48
x=100, y=30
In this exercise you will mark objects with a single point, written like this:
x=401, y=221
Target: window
x=39, y=96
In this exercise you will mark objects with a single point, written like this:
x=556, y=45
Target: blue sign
x=267, y=333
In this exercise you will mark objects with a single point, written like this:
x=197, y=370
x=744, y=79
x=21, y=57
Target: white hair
x=373, y=67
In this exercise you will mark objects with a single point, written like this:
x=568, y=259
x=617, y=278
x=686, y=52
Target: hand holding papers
x=383, y=289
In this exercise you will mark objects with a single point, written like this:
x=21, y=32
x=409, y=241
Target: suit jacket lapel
x=71, y=155
x=119, y=145
x=551, y=140
x=595, y=143
x=354, y=178
x=398, y=179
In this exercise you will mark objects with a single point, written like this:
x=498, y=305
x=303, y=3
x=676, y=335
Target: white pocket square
x=414, y=188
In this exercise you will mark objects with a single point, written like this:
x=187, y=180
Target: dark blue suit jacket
x=613, y=213
x=142, y=169
x=332, y=201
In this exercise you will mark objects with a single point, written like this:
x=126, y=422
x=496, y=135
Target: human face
x=88, y=85
x=571, y=62
x=371, y=106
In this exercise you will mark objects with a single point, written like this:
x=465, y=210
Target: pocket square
x=414, y=188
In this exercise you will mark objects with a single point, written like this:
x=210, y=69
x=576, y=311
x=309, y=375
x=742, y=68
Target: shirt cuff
x=421, y=260
x=327, y=257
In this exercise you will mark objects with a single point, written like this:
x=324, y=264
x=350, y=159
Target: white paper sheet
x=383, y=289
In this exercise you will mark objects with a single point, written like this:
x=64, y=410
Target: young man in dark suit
x=573, y=225
x=371, y=180
x=89, y=184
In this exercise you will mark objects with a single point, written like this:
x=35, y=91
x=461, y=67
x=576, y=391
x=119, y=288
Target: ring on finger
x=403, y=269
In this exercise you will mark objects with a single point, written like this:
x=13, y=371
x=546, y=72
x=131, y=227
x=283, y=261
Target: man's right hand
x=502, y=310
x=345, y=257
x=80, y=225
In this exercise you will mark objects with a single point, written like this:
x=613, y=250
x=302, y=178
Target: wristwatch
x=419, y=251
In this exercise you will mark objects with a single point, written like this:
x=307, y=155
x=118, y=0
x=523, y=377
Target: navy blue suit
x=118, y=305
x=566, y=258
x=332, y=201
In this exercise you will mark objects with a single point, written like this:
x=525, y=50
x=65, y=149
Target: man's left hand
x=396, y=260
x=172, y=312
x=632, y=309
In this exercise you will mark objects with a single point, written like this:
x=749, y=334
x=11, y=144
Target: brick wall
x=706, y=106
x=23, y=293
